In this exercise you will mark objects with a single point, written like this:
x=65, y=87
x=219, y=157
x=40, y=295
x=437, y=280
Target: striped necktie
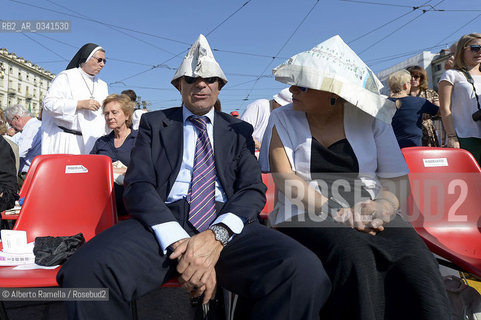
x=202, y=187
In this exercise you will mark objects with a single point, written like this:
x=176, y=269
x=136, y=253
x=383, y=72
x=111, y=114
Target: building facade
x=22, y=82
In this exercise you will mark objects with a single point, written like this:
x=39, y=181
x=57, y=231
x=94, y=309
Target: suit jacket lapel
x=172, y=135
x=223, y=138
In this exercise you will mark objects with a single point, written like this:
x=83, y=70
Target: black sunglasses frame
x=191, y=80
x=100, y=60
x=475, y=48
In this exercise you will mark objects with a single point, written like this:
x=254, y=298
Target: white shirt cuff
x=168, y=233
x=233, y=222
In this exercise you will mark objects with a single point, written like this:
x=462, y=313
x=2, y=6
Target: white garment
x=29, y=143
x=257, y=114
x=372, y=141
x=136, y=118
x=60, y=109
x=463, y=103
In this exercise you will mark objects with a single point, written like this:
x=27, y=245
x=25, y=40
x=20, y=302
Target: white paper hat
x=199, y=62
x=333, y=67
x=283, y=97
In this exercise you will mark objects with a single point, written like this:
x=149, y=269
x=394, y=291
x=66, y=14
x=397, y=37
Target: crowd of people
x=190, y=178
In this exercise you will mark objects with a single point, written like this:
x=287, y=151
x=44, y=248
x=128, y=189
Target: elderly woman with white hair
x=335, y=163
x=408, y=119
x=72, y=118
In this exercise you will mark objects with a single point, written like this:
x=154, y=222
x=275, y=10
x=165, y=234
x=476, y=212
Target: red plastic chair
x=445, y=203
x=67, y=195
x=270, y=195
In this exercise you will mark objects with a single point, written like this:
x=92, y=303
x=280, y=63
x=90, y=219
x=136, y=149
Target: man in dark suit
x=195, y=215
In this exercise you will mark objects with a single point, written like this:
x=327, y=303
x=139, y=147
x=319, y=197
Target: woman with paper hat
x=329, y=151
x=72, y=119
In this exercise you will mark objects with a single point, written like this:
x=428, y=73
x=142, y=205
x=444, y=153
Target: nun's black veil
x=82, y=55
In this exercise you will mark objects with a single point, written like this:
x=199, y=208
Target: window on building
x=34, y=92
x=19, y=88
x=19, y=75
x=437, y=67
x=28, y=76
x=11, y=70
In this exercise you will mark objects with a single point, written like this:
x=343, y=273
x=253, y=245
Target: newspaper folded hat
x=333, y=67
x=199, y=62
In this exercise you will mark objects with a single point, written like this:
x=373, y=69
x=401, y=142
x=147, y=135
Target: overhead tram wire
x=464, y=25
x=230, y=16
x=99, y=22
x=385, y=24
x=380, y=27
x=115, y=29
x=75, y=47
x=390, y=34
x=282, y=47
x=378, y=3
x=249, y=54
x=182, y=52
x=40, y=44
x=401, y=55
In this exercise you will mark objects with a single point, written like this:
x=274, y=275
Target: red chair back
x=31, y=171
x=445, y=203
x=68, y=195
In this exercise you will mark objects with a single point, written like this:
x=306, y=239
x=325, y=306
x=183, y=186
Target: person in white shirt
x=257, y=113
x=72, y=119
x=29, y=142
x=459, y=90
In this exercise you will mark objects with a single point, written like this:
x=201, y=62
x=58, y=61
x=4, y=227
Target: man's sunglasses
x=100, y=60
x=191, y=80
x=475, y=48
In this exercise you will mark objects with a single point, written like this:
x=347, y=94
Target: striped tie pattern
x=201, y=194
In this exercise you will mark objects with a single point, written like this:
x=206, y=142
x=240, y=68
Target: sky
x=146, y=40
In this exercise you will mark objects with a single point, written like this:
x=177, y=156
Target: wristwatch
x=221, y=233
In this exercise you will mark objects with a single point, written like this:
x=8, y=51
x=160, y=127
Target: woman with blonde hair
x=459, y=90
x=118, y=110
x=407, y=122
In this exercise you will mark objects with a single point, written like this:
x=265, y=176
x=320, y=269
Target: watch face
x=221, y=234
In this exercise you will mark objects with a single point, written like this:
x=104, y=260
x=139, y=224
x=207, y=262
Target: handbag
x=52, y=251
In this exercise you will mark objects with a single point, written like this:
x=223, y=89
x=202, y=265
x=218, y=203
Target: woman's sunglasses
x=191, y=80
x=475, y=48
x=100, y=60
